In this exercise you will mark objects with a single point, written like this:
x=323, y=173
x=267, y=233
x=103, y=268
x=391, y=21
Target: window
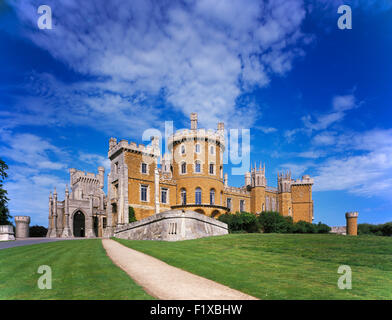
x=242, y=205
x=164, y=195
x=143, y=192
x=198, y=196
x=212, y=150
x=212, y=196
x=116, y=167
x=229, y=203
x=144, y=167
x=197, y=148
x=183, y=196
x=182, y=149
x=104, y=222
x=212, y=168
x=197, y=167
x=183, y=167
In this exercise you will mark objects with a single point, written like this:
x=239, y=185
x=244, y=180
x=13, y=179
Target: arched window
x=183, y=196
x=198, y=196
x=182, y=149
x=183, y=167
x=212, y=196
x=197, y=167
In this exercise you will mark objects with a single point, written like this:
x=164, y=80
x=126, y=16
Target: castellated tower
x=284, y=193
x=22, y=226
x=258, y=185
x=351, y=223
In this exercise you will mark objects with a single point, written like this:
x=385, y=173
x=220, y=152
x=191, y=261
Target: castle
x=191, y=177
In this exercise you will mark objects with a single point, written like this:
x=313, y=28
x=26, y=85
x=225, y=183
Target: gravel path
x=164, y=281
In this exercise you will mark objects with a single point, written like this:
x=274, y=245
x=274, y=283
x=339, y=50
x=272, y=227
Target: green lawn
x=284, y=266
x=80, y=270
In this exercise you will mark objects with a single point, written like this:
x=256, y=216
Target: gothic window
x=242, y=205
x=198, y=196
x=183, y=196
x=212, y=168
x=229, y=203
x=182, y=149
x=183, y=167
x=212, y=149
x=144, y=167
x=258, y=181
x=143, y=192
x=197, y=167
x=164, y=195
x=212, y=196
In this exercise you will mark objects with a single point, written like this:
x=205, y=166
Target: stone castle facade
x=191, y=177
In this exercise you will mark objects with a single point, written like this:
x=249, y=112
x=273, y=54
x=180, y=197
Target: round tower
x=197, y=167
x=22, y=226
x=351, y=223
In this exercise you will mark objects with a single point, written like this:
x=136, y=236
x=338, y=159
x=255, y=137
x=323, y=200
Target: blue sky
x=317, y=99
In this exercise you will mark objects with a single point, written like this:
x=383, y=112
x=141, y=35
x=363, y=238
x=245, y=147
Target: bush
x=322, y=228
x=386, y=229
x=304, y=227
x=131, y=215
x=240, y=222
x=37, y=231
x=273, y=222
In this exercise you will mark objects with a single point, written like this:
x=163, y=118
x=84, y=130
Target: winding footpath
x=166, y=282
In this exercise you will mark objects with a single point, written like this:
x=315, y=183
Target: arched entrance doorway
x=78, y=224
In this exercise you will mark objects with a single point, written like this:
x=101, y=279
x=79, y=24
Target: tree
x=131, y=215
x=38, y=231
x=273, y=222
x=5, y=217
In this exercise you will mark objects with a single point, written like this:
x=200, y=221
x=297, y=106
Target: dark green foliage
x=241, y=221
x=273, y=222
x=375, y=229
x=304, y=227
x=322, y=228
x=37, y=231
x=269, y=222
x=5, y=217
x=131, y=215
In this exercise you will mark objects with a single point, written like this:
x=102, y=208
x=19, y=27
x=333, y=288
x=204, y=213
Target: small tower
x=258, y=184
x=247, y=179
x=22, y=226
x=193, y=121
x=351, y=223
x=284, y=194
x=258, y=177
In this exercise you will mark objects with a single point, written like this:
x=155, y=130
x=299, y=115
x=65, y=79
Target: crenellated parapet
x=210, y=135
x=118, y=147
x=306, y=180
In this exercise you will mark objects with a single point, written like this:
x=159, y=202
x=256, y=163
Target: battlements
x=197, y=134
x=306, y=179
x=241, y=190
x=87, y=177
x=151, y=150
x=22, y=219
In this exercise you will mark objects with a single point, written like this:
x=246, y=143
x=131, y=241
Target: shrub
x=386, y=229
x=273, y=222
x=304, y=227
x=240, y=222
x=131, y=215
x=37, y=231
x=322, y=228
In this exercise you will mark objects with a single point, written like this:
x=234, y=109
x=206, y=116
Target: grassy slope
x=80, y=270
x=277, y=266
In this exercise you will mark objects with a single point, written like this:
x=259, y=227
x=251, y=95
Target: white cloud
x=199, y=56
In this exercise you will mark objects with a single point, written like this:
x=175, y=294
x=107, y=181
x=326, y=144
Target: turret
x=247, y=179
x=258, y=177
x=101, y=177
x=284, y=181
x=193, y=121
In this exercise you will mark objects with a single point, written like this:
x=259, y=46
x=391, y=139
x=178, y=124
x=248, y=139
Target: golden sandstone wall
x=296, y=202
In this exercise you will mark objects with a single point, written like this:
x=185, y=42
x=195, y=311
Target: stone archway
x=215, y=213
x=200, y=211
x=79, y=224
